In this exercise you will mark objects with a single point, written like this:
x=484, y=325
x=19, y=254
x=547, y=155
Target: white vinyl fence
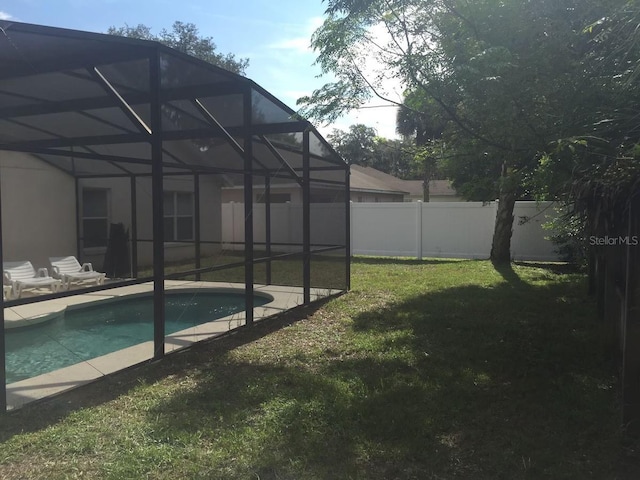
x=416, y=229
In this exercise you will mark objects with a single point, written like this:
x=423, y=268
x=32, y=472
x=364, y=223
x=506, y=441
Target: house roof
x=442, y=187
x=369, y=178
x=71, y=98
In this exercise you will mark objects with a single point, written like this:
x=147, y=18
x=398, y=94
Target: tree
x=356, y=146
x=506, y=77
x=422, y=118
x=361, y=145
x=596, y=173
x=396, y=157
x=185, y=38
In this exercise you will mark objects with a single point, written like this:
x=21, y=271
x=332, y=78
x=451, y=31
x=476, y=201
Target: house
x=361, y=177
x=366, y=184
x=443, y=191
x=370, y=185
x=98, y=130
x=42, y=217
x=364, y=187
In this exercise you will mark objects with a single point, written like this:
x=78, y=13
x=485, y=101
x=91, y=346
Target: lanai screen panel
x=95, y=118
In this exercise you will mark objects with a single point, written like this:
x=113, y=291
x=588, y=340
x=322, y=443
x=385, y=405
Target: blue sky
x=273, y=34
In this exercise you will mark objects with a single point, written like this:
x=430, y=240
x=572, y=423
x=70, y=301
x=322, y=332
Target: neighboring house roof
x=442, y=187
x=370, y=180
x=414, y=187
x=439, y=188
x=368, y=177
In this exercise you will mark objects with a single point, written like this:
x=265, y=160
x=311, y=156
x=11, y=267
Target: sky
x=273, y=34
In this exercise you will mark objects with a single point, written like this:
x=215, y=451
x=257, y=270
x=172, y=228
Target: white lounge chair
x=21, y=275
x=68, y=269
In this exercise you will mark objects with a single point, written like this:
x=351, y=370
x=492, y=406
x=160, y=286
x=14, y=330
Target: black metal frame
x=55, y=148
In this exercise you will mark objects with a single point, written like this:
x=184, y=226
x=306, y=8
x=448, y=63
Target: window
x=95, y=217
x=178, y=216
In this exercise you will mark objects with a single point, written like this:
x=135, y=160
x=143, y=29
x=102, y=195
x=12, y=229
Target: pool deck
x=45, y=385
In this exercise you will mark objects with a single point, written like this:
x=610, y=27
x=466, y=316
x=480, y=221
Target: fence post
x=289, y=247
x=233, y=226
x=351, y=228
x=419, y=229
x=493, y=227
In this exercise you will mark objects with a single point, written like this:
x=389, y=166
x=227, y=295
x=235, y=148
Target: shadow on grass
x=559, y=268
x=468, y=382
x=509, y=275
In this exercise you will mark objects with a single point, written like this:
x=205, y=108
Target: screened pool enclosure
x=168, y=175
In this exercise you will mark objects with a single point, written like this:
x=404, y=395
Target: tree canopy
x=185, y=37
x=361, y=145
x=598, y=172
x=499, y=82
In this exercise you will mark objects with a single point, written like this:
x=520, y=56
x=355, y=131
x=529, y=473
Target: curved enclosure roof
x=93, y=104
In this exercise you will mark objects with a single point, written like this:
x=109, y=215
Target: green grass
x=327, y=270
x=425, y=370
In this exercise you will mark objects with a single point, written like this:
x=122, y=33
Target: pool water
x=104, y=327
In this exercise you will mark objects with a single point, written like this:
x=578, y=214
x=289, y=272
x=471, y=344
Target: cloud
x=5, y=16
x=301, y=41
x=299, y=44
x=381, y=117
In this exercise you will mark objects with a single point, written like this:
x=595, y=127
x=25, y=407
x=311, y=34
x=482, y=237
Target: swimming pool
x=107, y=326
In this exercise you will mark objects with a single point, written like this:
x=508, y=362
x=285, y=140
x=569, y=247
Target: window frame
x=175, y=216
x=84, y=217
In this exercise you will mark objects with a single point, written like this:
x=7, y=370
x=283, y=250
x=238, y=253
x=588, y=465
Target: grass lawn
x=327, y=269
x=437, y=369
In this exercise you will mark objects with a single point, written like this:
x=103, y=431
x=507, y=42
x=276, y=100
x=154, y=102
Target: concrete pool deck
x=48, y=384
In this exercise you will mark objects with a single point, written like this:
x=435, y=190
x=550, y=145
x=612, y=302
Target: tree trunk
x=501, y=245
x=426, y=179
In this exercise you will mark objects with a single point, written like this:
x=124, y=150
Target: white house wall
x=119, y=208
x=38, y=210
x=120, y=212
